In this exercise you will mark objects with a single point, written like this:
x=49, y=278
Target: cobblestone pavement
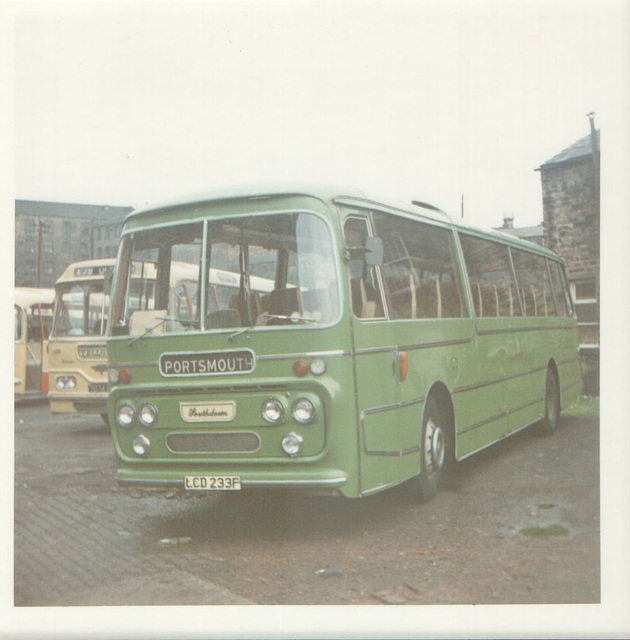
x=76, y=540
x=518, y=523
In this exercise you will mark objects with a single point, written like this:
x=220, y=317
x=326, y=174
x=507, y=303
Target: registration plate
x=212, y=483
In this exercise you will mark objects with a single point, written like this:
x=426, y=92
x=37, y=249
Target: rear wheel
x=432, y=452
x=552, y=403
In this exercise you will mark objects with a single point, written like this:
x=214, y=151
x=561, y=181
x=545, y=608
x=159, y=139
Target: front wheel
x=432, y=452
x=552, y=404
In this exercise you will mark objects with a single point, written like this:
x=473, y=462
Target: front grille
x=213, y=442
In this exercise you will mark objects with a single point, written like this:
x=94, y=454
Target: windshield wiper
x=147, y=331
x=294, y=317
x=162, y=320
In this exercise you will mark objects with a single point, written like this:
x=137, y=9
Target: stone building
x=571, y=211
x=51, y=235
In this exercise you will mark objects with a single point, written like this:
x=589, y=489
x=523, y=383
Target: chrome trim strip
x=503, y=414
x=488, y=332
x=428, y=345
x=306, y=354
x=569, y=361
x=327, y=482
x=507, y=435
x=389, y=407
x=512, y=376
x=95, y=395
x=381, y=487
x=412, y=347
x=330, y=482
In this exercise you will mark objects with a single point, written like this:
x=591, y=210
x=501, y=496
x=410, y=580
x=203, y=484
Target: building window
x=584, y=293
x=66, y=232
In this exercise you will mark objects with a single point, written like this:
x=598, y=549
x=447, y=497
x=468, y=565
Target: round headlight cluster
x=141, y=445
x=303, y=411
x=273, y=411
x=125, y=414
x=148, y=414
x=114, y=376
x=292, y=444
x=65, y=382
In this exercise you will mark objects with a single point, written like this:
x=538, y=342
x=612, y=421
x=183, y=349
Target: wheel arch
x=553, y=367
x=439, y=391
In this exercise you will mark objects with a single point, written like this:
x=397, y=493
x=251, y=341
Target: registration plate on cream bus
x=212, y=483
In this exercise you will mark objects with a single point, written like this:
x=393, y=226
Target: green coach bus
x=335, y=343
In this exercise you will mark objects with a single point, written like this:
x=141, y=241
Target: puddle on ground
x=545, y=532
x=540, y=518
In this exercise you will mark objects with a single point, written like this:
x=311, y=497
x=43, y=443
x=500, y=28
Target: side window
x=418, y=269
x=558, y=286
x=490, y=276
x=366, y=295
x=533, y=284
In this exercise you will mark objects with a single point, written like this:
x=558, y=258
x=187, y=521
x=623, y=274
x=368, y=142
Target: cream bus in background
x=77, y=353
x=32, y=321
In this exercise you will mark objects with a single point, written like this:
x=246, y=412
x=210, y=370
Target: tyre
x=552, y=404
x=432, y=452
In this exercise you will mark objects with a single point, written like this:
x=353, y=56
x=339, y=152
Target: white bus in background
x=33, y=313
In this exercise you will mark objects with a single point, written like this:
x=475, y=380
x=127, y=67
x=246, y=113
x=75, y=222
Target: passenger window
x=366, y=296
x=418, y=269
x=560, y=291
x=490, y=276
x=533, y=284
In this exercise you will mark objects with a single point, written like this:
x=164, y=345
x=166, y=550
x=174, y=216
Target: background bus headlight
x=141, y=445
x=272, y=410
x=125, y=414
x=292, y=444
x=66, y=382
x=303, y=411
x=148, y=414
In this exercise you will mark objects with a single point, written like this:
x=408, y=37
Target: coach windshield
x=255, y=271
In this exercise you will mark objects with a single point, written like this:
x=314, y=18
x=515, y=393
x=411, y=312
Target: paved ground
x=518, y=523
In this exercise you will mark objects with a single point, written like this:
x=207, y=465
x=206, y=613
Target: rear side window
x=560, y=290
x=490, y=276
x=533, y=284
x=418, y=269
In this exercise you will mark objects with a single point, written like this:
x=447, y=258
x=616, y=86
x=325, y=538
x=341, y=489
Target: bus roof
x=86, y=270
x=27, y=296
x=336, y=193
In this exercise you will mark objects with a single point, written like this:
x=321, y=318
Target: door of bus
x=383, y=405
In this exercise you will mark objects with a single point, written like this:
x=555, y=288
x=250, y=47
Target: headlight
x=273, y=411
x=292, y=444
x=303, y=411
x=125, y=414
x=66, y=382
x=148, y=414
x=141, y=445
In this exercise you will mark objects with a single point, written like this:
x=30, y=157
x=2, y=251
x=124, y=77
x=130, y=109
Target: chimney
x=508, y=221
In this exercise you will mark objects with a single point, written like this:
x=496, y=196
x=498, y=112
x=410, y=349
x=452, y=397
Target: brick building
x=51, y=235
x=571, y=211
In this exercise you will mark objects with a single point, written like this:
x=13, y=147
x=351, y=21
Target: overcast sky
x=420, y=100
